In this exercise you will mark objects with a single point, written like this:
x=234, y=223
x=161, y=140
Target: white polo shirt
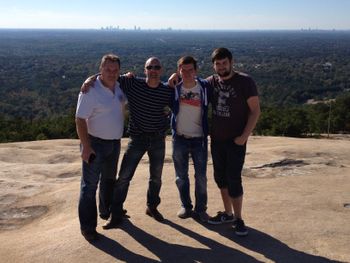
x=103, y=111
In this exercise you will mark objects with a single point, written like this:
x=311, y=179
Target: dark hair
x=187, y=60
x=111, y=58
x=221, y=53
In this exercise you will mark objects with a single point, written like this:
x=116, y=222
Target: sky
x=179, y=14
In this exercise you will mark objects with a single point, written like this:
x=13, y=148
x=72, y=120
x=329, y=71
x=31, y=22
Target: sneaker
x=114, y=222
x=221, y=218
x=153, y=212
x=106, y=216
x=184, y=213
x=240, y=228
x=203, y=216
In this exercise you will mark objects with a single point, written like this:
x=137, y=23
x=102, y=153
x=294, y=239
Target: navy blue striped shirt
x=147, y=105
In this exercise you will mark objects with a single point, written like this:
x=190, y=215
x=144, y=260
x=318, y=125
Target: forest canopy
x=41, y=72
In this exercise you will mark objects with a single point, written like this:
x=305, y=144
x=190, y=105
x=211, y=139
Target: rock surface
x=296, y=205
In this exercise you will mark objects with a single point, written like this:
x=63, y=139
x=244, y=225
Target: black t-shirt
x=230, y=107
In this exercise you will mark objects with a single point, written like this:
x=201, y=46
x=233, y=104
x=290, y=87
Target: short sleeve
x=250, y=89
x=84, y=105
x=126, y=83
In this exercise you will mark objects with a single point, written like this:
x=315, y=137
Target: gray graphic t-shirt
x=189, y=120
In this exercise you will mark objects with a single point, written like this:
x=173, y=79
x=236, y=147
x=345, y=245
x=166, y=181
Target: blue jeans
x=198, y=149
x=103, y=169
x=154, y=145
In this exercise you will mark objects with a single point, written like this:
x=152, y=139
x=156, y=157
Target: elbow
x=258, y=112
x=79, y=121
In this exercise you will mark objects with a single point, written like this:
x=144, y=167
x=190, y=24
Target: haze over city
x=180, y=14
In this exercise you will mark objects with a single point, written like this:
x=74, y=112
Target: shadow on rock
x=168, y=252
x=116, y=250
x=268, y=246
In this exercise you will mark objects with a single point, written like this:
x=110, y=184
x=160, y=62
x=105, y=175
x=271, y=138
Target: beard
x=224, y=73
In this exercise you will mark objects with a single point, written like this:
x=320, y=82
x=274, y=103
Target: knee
x=235, y=190
x=121, y=181
x=181, y=180
x=88, y=192
x=220, y=181
x=155, y=181
x=108, y=181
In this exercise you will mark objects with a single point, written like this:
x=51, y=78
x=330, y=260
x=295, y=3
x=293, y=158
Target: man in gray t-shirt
x=190, y=130
x=235, y=113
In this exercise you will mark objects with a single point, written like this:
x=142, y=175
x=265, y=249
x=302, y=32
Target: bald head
x=153, y=71
x=152, y=60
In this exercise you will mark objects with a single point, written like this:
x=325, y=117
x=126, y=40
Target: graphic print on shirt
x=190, y=98
x=223, y=93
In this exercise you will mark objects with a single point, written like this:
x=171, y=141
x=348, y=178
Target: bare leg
x=237, y=206
x=226, y=199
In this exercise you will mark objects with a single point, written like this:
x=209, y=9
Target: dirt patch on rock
x=18, y=216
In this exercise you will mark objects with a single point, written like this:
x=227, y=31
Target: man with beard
x=235, y=113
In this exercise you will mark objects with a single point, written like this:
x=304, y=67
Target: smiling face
x=109, y=69
x=187, y=68
x=223, y=67
x=153, y=69
x=110, y=73
x=187, y=72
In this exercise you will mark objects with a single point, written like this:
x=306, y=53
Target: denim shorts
x=228, y=159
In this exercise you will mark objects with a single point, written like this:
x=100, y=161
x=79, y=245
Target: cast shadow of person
x=168, y=252
x=267, y=245
x=119, y=252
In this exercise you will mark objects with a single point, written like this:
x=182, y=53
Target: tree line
x=294, y=121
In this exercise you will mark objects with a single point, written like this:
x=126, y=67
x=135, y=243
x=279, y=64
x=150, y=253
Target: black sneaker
x=184, y=213
x=221, y=218
x=153, y=212
x=106, y=216
x=114, y=222
x=203, y=216
x=240, y=228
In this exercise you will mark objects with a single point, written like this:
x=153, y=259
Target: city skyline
x=185, y=15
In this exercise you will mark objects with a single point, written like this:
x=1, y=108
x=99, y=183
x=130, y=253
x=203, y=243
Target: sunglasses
x=155, y=67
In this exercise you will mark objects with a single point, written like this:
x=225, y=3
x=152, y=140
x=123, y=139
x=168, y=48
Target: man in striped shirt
x=148, y=122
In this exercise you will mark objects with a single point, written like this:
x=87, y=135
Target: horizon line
x=111, y=28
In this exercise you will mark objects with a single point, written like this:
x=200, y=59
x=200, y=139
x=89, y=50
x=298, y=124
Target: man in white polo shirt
x=100, y=125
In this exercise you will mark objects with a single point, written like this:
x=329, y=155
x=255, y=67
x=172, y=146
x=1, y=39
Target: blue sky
x=180, y=14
